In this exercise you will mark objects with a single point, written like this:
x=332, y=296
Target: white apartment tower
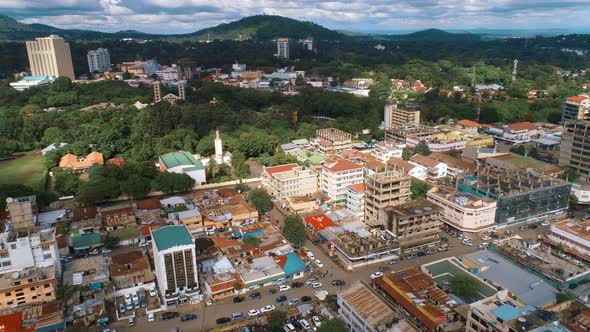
x=50, y=56
x=218, y=148
x=99, y=60
x=282, y=48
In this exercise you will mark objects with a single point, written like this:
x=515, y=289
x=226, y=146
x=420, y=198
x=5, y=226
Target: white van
x=310, y=254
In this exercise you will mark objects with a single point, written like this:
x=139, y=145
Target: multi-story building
x=168, y=74
x=28, y=82
x=50, y=56
x=337, y=174
x=118, y=216
x=575, y=148
x=99, y=60
x=574, y=235
x=383, y=189
x=417, y=132
x=455, y=166
x=282, y=48
x=22, y=212
x=462, y=211
x=27, y=286
x=515, y=133
x=575, y=108
x=397, y=115
x=192, y=219
x=289, y=180
x=384, y=151
x=355, y=200
x=417, y=224
x=414, y=170
x=437, y=145
x=364, y=311
x=520, y=195
x=333, y=140
x=494, y=313
x=175, y=265
x=435, y=170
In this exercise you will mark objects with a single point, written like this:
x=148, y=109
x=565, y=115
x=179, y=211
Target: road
x=207, y=316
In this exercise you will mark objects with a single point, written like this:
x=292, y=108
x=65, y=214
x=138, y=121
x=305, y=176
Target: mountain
x=259, y=26
x=435, y=35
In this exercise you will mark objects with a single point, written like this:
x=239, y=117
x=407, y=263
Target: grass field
x=27, y=169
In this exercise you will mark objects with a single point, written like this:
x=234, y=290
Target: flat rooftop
x=415, y=208
x=513, y=182
x=579, y=229
x=465, y=200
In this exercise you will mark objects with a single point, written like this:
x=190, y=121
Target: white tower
x=218, y=148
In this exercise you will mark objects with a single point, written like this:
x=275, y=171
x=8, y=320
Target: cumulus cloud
x=174, y=16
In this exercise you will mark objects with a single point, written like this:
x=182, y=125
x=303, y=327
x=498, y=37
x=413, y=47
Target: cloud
x=174, y=16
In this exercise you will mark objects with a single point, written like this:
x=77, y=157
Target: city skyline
x=165, y=17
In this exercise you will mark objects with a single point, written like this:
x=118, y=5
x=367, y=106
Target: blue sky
x=178, y=16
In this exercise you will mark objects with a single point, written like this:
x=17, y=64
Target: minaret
x=218, y=148
x=514, y=70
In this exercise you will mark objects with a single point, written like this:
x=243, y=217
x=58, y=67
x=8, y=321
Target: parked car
x=545, y=223
x=255, y=295
x=467, y=243
x=297, y=284
x=222, y=320
x=421, y=254
x=294, y=301
x=153, y=292
x=376, y=275
x=284, y=288
x=316, y=285
x=305, y=324
x=288, y=328
x=131, y=321
x=444, y=239
x=238, y=299
x=319, y=263
x=188, y=317
x=383, y=268
x=306, y=299
x=267, y=308
x=338, y=282
x=311, y=281
x=272, y=291
x=394, y=261
x=310, y=255
x=151, y=317
x=237, y=316
x=316, y=321
x=121, y=307
x=170, y=315
x=486, y=238
x=281, y=299
x=253, y=312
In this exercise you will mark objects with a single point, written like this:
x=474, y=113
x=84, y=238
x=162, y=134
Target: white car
x=317, y=321
x=289, y=328
x=135, y=297
x=305, y=324
x=468, y=243
x=486, y=238
x=294, y=301
x=316, y=285
x=319, y=263
x=152, y=292
x=267, y=308
x=545, y=223
x=284, y=288
x=376, y=275
x=321, y=293
x=253, y=312
x=151, y=317
x=310, y=281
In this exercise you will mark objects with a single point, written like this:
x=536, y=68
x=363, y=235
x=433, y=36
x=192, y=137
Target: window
x=6, y=263
x=9, y=302
x=8, y=294
x=4, y=255
x=46, y=286
x=47, y=256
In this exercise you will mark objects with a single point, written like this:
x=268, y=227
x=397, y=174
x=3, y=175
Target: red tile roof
x=13, y=323
x=468, y=123
x=117, y=161
x=359, y=187
x=320, y=222
x=424, y=161
x=82, y=213
x=223, y=286
x=279, y=169
x=577, y=99
x=518, y=126
x=149, y=204
x=226, y=192
x=341, y=165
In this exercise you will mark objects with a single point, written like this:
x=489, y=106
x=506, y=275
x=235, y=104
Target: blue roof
x=171, y=236
x=35, y=78
x=507, y=312
x=259, y=232
x=293, y=265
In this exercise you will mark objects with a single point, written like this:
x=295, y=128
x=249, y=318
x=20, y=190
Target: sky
x=181, y=16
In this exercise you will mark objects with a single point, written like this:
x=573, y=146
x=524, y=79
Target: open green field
x=27, y=169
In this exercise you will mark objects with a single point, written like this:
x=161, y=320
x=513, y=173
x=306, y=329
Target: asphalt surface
x=208, y=315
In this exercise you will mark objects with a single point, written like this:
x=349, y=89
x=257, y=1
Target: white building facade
x=99, y=60
x=34, y=250
x=337, y=174
x=462, y=211
x=289, y=180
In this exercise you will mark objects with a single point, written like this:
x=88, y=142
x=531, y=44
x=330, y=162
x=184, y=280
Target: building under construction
x=520, y=195
x=399, y=134
x=389, y=188
x=332, y=139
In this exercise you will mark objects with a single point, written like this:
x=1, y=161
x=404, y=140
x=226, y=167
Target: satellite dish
x=522, y=319
x=502, y=295
x=15, y=275
x=9, y=200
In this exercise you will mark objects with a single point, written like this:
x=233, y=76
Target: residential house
x=76, y=163
x=435, y=170
x=417, y=171
x=118, y=216
x=130, y=269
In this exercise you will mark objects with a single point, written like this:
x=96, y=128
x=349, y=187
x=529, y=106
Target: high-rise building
x=308, y=43
x=23, y=213
x=157, y=91
x=282, y=48
x=337, y=174
x=99, y=60
x=50, y=56
x=185, y=68
x=389, y=188
x=575, y=148
x=576, y=108
x=396, y=115
x=175, y=264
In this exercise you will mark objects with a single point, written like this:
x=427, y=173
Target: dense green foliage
x=418, y=189
x=260, y=199
x=294, y=230
x=333, y=325
x=565, y=296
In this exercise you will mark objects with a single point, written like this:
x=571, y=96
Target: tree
x=294, y=230
x=521, y=150
x=97, y=189
x=172, y=182
x=238, y=161
x=565, y=296
x=570, y=175
x=418, y=189
x=61, y=84
x=406, y=154
x=251, y=240
x=66, y=183
x=422, y=148
x=238, y=286
x=276, y=320
x=455, y=153
x=111, y=241
x=253, y=145
x=333, y=325
x=573, y=200
x=464, y=285
x=261, y=200
x=136, y=186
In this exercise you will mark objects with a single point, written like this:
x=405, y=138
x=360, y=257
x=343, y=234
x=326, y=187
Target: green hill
x=436, y=35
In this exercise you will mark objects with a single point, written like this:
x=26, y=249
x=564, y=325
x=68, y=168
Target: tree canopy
x=260, y=199
x=294, y=230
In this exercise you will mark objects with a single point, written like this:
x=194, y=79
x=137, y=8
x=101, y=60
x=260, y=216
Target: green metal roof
x=179, y=158
x=171, y=236
x=316, y=159
x=83, y=241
